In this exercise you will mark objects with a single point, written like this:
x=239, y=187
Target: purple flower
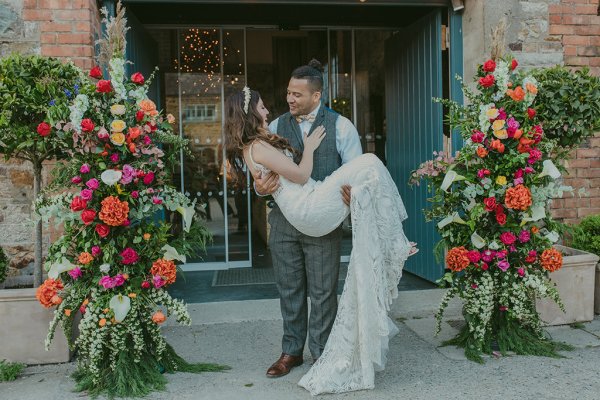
x=114, y=157
x=76, y=180
x=84, y=169
x=524, y=236
x=158, y=281
x=86, y=194
x=92, y=184
x=75, y=273
x=106, y=282
x=96, y=251
x=503, y=265
x=488, y=255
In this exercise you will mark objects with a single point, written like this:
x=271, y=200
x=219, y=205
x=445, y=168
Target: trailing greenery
x=586, y=236
x=3, y=265
x=9, y=371
x=568, y=104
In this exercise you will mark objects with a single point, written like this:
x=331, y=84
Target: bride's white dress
x=358, y=343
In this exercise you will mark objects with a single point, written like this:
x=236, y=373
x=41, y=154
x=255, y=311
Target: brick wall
x=58, y=28
x=577, y=24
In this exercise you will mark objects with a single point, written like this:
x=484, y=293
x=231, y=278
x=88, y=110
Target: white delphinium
x=502, y=75
x=116, y=68
x=78, y=108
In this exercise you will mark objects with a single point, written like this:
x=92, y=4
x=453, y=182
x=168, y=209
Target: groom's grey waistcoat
x=326, y=158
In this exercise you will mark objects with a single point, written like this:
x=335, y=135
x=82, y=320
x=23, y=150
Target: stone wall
x=64, y=29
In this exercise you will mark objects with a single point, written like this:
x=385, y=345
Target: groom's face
x=301, y=98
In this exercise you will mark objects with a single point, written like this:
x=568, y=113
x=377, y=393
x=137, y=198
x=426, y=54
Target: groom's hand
x=266, y=185
x=346, y=194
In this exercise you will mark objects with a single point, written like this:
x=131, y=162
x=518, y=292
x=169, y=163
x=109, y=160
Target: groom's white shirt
x=347, y=141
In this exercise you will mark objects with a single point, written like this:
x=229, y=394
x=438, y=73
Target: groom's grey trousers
x=304, y=265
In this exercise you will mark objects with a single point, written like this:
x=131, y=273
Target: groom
x=306, y=265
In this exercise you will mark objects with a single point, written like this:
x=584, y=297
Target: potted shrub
x=586, y=236
x=3, y=267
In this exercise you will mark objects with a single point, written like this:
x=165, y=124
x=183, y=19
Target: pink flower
x=96, y=251
x=501, y=114
x=528, y=170
x=531, y=257
x=84, y=169
x=474, y=286
x=126, y=223
x=147, y=140
x=484, y=266
x=106, y=282
x=482, y=173
x=519, y=173
x=534, y=155
x=474, y=256
x=501, y=254
x=158, y=281
x=86, y=194
x=103, y=134
x=145, y=285
x=518, y=181
x=524, y=236
x=75, y=273
x=156, y=200
x=477, y=137
x=503, y=308
x=76, y=180
x=488, y=255
x=129, y=256
x=128, y=174
x=512, y=248
x=135, y=194
x=503, y=265
x=521, y=272
x=508, y=238
x=114, y=157
x=92, y=184
x=148, y=178
x=119, y=280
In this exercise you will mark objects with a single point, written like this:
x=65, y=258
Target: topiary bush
x=586, y=236
x=3, y=265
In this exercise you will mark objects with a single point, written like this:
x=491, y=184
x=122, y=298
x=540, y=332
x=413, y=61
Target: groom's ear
x=317, y=95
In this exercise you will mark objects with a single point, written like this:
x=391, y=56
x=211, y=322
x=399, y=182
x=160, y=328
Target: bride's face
x=262, y=110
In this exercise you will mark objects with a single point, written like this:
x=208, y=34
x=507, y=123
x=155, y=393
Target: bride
x=358, y=343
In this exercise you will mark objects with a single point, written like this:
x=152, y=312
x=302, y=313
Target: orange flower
x=131, y=147
x=518, y=94
x=482, y=152
x=102, y=322
x=497, y=145
x=133, y=133
x=132, y=295
x=535, y=230
x=125, y=276
x=56, y=299
x=531, y=88
x=524, y=144
x=114, y=212
x=551, y=260
x=47, y=290
x=158, y=317
x=457, y=259
x=146, y=236
x=67, y=312
x=518, y=134
x=164, y=268
x=85, y=258
x=518, y=198
x=148, y=107
x=85, y=302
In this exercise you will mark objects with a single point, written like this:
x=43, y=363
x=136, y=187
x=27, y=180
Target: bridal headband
x=247, y=96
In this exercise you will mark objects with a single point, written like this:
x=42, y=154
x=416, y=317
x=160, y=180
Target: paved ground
x=246, y=336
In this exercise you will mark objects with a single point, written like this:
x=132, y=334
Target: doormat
x=253, y=276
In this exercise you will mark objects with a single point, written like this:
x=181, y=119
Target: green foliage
x=568, y=104
x=3, y=265
x=9, y=371
x=35, y=89
x=586, y=236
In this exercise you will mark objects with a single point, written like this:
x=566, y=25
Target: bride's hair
x=242, y=128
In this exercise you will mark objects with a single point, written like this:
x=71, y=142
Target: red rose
x=137, y=78
x=96, y=73
x=487, y=81
x=43, y=129
x=499, y=209
x=78, y=204
x=103, y=86
x=490, y=203
x=531, y=113
x=102, y=230
x=88, y=216
x=501, y=219
x=87, y=125
x=139, y=116
x=513, y=64
x=148, y=178
x=489, y=66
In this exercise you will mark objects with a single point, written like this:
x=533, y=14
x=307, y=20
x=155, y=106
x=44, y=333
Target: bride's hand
x=314, y=140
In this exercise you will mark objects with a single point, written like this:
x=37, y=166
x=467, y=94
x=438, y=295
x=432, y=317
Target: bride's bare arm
x=279, y=163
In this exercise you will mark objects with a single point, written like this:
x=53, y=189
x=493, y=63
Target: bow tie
x=310, y=118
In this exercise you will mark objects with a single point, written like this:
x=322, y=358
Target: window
x=201, y=112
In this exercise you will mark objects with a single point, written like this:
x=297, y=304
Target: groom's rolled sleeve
x=347, y=139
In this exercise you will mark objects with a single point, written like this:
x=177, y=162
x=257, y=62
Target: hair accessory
x=247, y=96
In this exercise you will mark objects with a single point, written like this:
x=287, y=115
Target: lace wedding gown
x=358, y=343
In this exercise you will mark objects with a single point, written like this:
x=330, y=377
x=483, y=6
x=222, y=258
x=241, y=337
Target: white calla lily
x=477, y=240
x=454, y=217
x=105, y=268
x=120, y=305
x=58, y=268
x=537, y=212
x=188, y=214
x=552, y=236
x=451, y=176
x=111, y=177
x=494, y=245
x=170, y=253
x=549, y=170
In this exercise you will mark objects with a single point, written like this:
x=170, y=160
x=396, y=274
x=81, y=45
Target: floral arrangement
x=491, y=203
x=114, y=262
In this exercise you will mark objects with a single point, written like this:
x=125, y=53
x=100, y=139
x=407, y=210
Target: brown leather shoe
x=284, y=365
